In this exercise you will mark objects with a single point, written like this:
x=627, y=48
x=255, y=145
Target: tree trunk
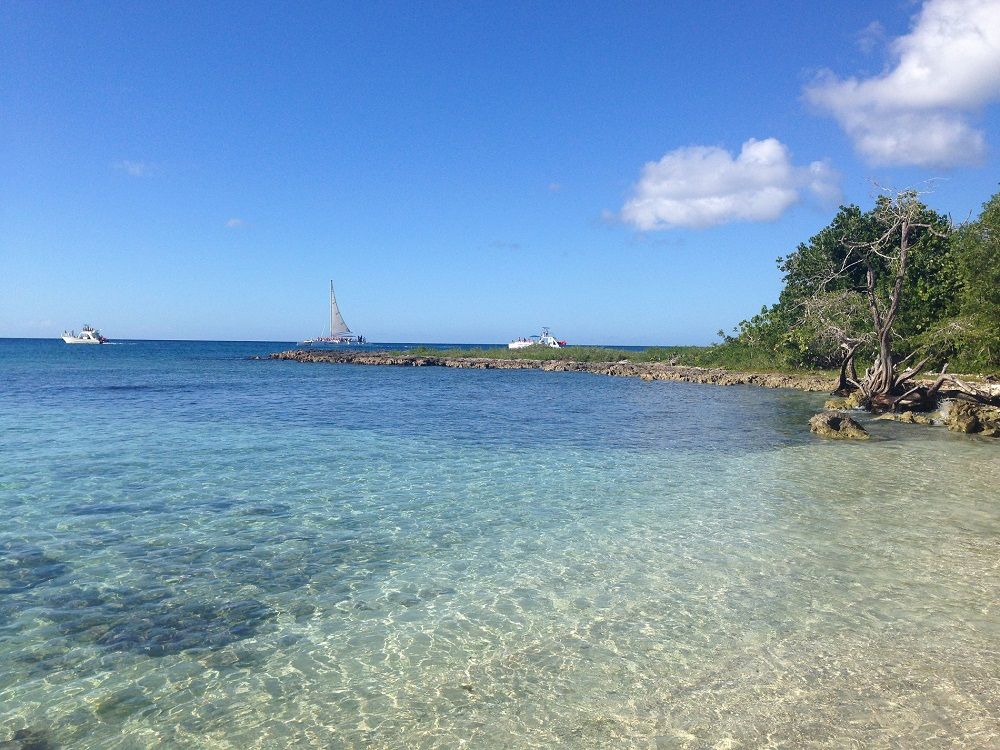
x=848, y=383
x=880, y=381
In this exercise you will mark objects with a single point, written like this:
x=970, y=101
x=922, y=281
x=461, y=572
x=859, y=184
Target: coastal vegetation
x=687, y=356
x=898, y=282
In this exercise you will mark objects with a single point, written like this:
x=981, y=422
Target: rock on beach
x=971, y=418
x=837, y=425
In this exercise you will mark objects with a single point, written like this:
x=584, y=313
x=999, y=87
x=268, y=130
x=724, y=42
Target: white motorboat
x=87, y=335
x=339, y=332
x=544, y=339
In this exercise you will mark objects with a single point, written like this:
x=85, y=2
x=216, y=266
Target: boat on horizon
x=543, y=339
x=87, y=335
x=339, y=332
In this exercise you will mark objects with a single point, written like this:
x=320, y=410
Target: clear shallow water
x=202, y=551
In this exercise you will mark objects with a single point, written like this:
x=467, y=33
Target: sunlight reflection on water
x=203, y=551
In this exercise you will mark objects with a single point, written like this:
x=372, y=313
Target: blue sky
x=464, y=172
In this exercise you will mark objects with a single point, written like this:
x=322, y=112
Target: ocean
x=203, y=550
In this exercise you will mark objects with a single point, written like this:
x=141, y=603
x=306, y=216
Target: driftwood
x=897, y=394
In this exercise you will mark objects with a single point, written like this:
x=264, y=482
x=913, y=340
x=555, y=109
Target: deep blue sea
x=203, y=550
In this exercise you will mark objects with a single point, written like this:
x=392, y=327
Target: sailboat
x=339, y=332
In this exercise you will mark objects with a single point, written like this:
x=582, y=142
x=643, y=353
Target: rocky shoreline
x=960, y=417
x=623, y=369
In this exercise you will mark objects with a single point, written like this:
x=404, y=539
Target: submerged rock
x=24, y=566
x=29, y=739
x=970, y=418
x=154, y=622
x=177, y=626
x=833, y=424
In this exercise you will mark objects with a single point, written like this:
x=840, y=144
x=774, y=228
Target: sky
x=624, y=173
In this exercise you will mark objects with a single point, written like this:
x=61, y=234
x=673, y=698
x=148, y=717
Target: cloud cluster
x=235, y=223
x=702, y=186
x=917, y=112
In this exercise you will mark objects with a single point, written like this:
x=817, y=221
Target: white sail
x=337, y=324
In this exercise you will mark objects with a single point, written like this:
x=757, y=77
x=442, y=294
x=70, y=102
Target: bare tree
x=901, y=217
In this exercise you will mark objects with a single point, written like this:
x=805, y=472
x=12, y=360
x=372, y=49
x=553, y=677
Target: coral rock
x=833, y=424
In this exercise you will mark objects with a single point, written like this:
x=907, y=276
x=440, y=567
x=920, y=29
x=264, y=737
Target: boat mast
x=333, y=304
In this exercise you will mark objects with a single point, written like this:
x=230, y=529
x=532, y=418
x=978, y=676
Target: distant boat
x=87, y=335
x=339, y=332
x=545, y=339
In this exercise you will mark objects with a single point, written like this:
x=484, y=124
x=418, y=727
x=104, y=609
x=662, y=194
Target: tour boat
x=339, y=332
x=87, y=335
x=545, y=339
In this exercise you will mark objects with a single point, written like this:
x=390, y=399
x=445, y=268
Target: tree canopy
x=948, y=305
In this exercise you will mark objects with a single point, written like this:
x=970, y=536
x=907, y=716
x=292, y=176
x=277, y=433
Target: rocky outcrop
x=851, y=401
x=971, y=418
x=907, y=417
x=647, y=371
x=837, y=425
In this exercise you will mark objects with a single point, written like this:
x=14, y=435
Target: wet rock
x=970, y=418
x=838, y=426
x=913, y=417
x=851, y=401
x=907, y=417
x=24, y=566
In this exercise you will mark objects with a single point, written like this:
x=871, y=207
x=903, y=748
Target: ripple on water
x=24, y=566
x=335, y=557
x=29, y=739
x=153, y=622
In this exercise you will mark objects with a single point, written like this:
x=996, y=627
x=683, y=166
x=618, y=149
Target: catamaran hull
x=328, y=343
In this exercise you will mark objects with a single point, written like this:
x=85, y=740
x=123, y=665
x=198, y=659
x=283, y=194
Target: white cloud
x=917, y=112
x=235, y=223
x=701, y=186
x=134, y=168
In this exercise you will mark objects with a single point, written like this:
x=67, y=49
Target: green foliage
x=573, y=353
x=971, y=335
x=945, y=307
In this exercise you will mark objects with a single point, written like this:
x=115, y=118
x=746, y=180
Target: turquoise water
x=204, y=551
